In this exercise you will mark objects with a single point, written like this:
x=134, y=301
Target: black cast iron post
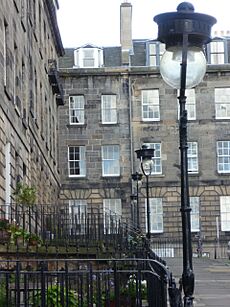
x=137, y=177
x=187, y=32
x=145, y=155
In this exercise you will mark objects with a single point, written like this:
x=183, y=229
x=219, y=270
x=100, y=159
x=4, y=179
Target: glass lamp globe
x=170, y=66
x=147, y=166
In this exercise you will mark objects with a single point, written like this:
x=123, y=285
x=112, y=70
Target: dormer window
x=88, y=56
x=217, y=51
x=155, y=51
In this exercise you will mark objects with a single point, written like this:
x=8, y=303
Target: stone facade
x=127, y=79
x=28, y=107
x=131, y=132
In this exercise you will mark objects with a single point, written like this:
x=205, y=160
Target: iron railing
x=101, y=282
x=90, y=228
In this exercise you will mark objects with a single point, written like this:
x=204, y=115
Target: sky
x=98, y=21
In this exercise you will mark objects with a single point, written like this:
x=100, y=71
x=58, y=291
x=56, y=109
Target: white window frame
x=217, y=52
x=112, y=210
x=156, y=215
x=190, y=105
x=80, y=57
x=109, y=109
x=225, y=213
x=77, y=216
x=222, y=103
x=195, y=213
x=155, y=52
x=76, y=110
x=223, y=156
x=157, y=159
x=150, y=105
x=77, y=163
x=110, y=161
x=192, y=154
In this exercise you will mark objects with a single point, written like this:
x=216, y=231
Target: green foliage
x=130, y=289
x=4, y=224
x=3, y=296
x=24, y=194
x=53, y=295
x=27, y=237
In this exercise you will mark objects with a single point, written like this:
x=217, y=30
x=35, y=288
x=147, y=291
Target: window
x=88, y=56
x=225, y=213
x=156, y=215
x=110, y=160
x=195, y=214
x=109, y=109
x=76, y=109
x=222, y=103
x=155, y=51
x=77, y=163
x=150, y=105
x=190, y=104
x=77, y=216
x=223, y=156
x=216, y=50
x=112, y=215
x=6, y=55
x=192, y=157
x=157, y=167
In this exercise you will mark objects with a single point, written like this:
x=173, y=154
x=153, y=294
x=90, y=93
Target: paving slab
x=212, y=280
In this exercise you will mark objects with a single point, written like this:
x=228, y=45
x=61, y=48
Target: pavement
x=212, y=280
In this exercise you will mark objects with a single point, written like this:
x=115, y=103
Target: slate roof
x=112, y=55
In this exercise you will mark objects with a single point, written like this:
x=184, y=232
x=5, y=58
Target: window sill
x=193, y=174
x=110, y=176
x=108, y=124
x=157, y=175
x=74, y=177
x=150, y=121
x=223, y=174
x=75, y=125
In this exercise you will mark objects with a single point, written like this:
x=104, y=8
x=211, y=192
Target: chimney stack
x=126, y=32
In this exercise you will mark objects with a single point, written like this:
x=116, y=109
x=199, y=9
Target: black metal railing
x=70, y=233
x=82, y=282
x=58, y=226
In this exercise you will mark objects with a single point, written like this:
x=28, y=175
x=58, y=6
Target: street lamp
x=182, y=66
x=137, y=177
x=145, y=155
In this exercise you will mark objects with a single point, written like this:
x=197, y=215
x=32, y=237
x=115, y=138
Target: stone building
x=30, y=94
x=116, y=101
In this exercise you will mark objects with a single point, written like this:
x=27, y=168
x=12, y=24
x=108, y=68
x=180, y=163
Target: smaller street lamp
x=145, y=155
x=137, y=177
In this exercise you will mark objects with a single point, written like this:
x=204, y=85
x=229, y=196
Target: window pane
x=109, y=109
x=112, y=215
x=157, y=166
x=192, y=157
x=190, y=104
x=195, y=213
x=217, y=52
x=76, y=157
x=223, y=156
x=225, y=213
x=110, y=160
x=156, y=215
x=222, y=102
x=150, y=105
x=76, y=109
x=77, y=216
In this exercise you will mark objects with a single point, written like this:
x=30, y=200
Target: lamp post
x=145, y=156
x=137, y=177
x=182, y=66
